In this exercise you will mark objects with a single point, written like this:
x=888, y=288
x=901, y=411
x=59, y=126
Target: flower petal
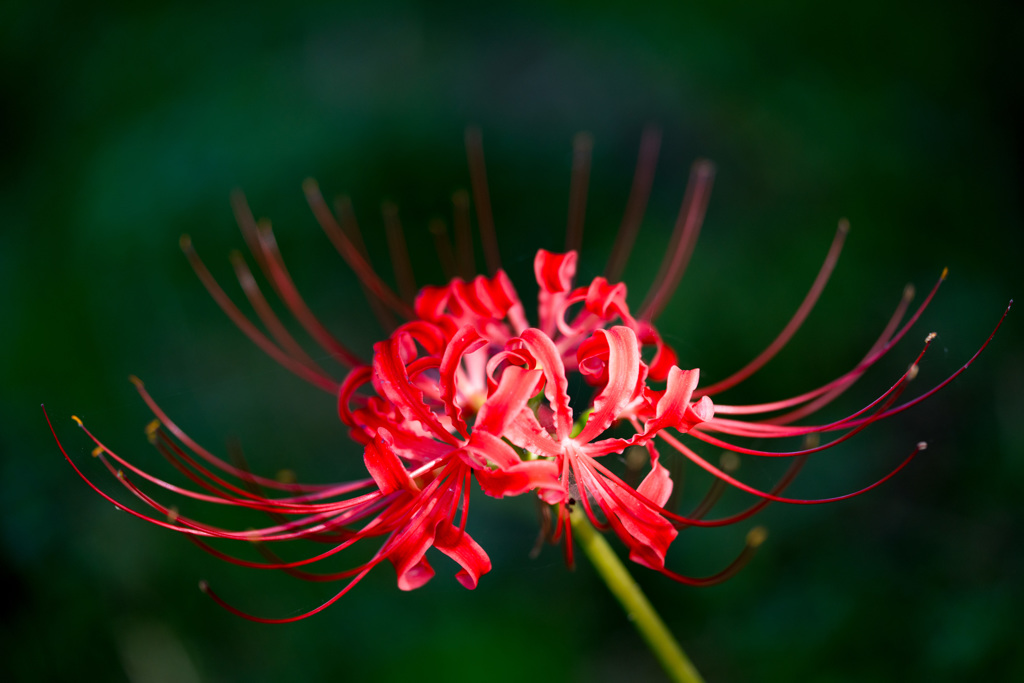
x=385, y=467
x=457, y=544
x=465, y=340
x=515, y=387
x=556, y=386
x=392, y=380
x=623, y=380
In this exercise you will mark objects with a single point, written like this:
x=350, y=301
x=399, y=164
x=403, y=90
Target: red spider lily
x=465, y=388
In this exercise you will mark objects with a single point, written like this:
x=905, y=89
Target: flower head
x=467, y=385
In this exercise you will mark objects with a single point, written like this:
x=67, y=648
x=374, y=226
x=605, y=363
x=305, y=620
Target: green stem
x=638, y=608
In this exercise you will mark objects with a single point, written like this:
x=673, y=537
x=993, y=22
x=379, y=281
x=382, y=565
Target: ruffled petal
x=645, y=532
x=457, y=544
x=657, y=485
x=385, y=467
x=511, y=476
x=392, y=380
x=554, y=274
x=624, y=381
x=465, y=341
x=556, y=386
x=515, y=387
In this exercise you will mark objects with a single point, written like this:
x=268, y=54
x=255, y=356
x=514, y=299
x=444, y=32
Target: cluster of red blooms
x=467, y=388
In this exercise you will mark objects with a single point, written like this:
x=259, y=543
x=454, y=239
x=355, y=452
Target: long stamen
x=445, y=255
x=827, y=393
x=350, y=227
x=636, y=204
x=205, y=587
x=826, y=398
x=755, y=537
x=399, y=252
x=246, y=326
x=582, y=146
x=356, y=261
x=684, y=238
x=729, y=462
x=248, y=226
x=266, y=314
x=206, y=455
x=482, y=198
x=795, y=322
x=764, y=430
x=781, y=485
x=729, y=479
x=900, y=408
x=463, y=235
x=289, y=293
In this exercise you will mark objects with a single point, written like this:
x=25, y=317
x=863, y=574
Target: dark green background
x=124, y=127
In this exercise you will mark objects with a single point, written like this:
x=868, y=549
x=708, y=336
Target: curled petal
x=674, y=408
x=514, y=389
x=457, y=544
x=392, y=380
x=432, y=301
x=657, y=485
x=385, y=467
x=645, y=532
x=624, y=381
x=556, y=386
x=465, y=341
x=554, y=273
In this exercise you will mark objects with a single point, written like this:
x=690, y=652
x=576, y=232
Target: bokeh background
x=123, y=127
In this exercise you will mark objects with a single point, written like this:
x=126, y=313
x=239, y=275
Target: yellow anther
x=135, y=380
x=756, y=536
x=729, y=462
x=909, y=292
x=97, y=452
x=636, y=457
x=945, y=272
x=185, y=242
x=931, y=337
x=76, y=419
x=286, y=477
x=912, y=372
x=151, y=430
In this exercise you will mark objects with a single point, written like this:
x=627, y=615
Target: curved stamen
x=482, y=197
x=245, y=325
x=825, y=394
x=684, y=238
x=711, y=469
x=463, y=235
x=400, y=262
x=206, y=455
x=636, y=204
x=355, y=260
x=205, y=587
x=795, y=322
x=755, y=537
x=267, y=316
x=582, y=146
x=289, y=293
x=445, y=255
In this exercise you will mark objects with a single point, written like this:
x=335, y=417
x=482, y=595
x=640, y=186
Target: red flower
x=466, y=389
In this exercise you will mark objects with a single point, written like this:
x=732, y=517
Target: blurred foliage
x=124, y=127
